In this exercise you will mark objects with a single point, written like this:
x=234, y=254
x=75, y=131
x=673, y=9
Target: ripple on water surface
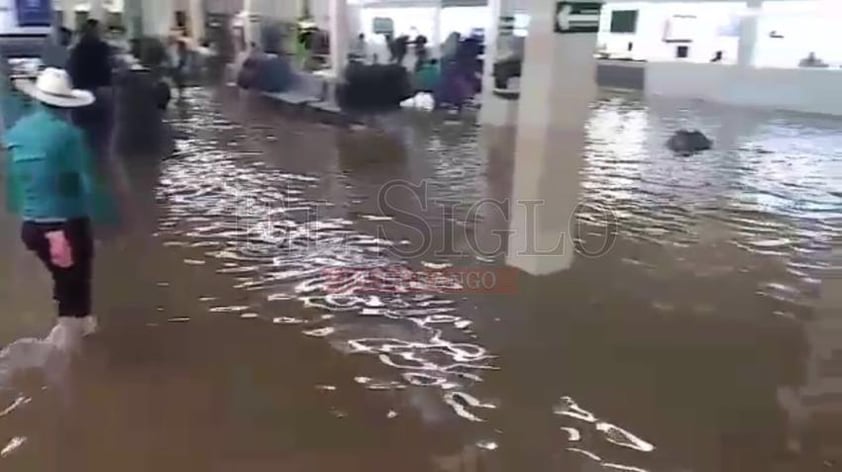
x=763, y=193
x=274, y=234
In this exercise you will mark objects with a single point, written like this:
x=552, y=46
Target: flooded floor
x=265, y=305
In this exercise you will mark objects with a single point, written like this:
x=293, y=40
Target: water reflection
x=685, y=224
x=663, y=355
x=814, y=405
x=768, y=187
x=273, y=233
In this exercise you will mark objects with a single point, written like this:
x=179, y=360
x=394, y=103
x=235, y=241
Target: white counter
x=803, y=90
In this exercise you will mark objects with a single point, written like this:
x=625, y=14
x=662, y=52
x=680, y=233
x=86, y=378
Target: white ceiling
x=398, y=3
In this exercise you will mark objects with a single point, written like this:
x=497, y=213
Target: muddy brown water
x=252, y=318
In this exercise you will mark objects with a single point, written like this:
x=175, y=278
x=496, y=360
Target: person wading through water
x=52, y=185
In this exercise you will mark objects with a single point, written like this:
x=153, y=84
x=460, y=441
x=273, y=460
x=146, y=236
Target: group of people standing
x=454, y=78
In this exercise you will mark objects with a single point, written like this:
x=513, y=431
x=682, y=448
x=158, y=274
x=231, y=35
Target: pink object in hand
x=61, y=253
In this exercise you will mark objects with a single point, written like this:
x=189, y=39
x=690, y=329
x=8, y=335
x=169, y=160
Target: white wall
x=807, y=25
x=803, y=90
x=713, y=19
x=407, y=20
x=157, y=17
x=320, y=10
x=283, y=9
x=224, y=6
x=421, y=20
x=464, y=19
x=110, y=5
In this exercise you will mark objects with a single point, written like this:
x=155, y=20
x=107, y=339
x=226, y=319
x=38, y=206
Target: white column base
x=498, y=112
x=339, y=38
x=541, y=264
x=545, y=196
x=558, y=84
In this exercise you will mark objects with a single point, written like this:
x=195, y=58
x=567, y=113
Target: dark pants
x=72, y=285
x=179, y=78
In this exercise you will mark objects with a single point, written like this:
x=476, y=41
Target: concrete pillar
x=558, y=86
x=68, y=14
x=320, y=10
x=133, y=18
x=290, y=10
x=355, y=21
x=265, y=12
x=197, y=19
x=157, y=17
x=496, y=111
x=286, y=10
x=97, y=10
x=338, y=36
x=436, y=40
x=748, y=33
x=250, y=21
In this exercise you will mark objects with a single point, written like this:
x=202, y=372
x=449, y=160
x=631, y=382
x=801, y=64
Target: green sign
x=383, y=26
x=577, y=17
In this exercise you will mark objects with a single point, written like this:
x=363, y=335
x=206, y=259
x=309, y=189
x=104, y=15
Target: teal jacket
x=12, y=107
x=50, y=173
x=427, y=78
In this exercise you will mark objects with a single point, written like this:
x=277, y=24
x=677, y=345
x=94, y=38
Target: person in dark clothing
x=401, y=48
x=421, y=52
x=90, y=60
x=90, y=69
x=57, y=49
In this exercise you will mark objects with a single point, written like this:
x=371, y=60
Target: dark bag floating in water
x=689, y=142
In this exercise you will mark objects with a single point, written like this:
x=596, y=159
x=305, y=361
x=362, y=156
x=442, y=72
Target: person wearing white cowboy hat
x=52, y=184
x=53, y=87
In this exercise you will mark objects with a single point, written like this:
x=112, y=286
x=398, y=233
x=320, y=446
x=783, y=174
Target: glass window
x=624, y=21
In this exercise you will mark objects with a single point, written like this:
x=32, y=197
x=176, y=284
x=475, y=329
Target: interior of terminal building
x=421, y=235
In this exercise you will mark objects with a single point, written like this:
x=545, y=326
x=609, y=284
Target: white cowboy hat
x=53, y=88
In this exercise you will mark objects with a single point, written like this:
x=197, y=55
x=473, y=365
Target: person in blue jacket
x=52, y=185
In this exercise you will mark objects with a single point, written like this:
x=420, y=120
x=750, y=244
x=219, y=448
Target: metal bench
x=307, y=89
x=326, y=106
x=292, y=98
x=313, y=93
